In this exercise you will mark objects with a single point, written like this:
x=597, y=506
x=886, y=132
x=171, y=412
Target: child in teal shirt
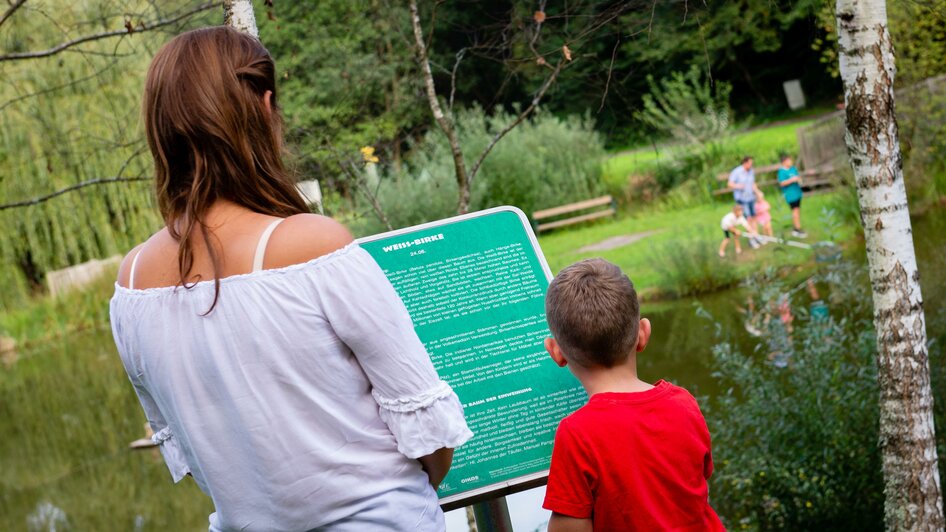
x=790, y=182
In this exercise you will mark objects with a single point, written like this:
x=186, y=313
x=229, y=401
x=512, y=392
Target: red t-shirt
x=634, y=461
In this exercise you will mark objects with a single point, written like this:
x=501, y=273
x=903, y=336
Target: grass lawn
x=681, y=258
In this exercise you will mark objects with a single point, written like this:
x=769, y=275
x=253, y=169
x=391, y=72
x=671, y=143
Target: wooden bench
x=807, y=184
x=572, y=208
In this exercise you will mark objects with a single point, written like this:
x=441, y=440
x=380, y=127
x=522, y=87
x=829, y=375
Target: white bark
x=911, y=477
x=239, y=14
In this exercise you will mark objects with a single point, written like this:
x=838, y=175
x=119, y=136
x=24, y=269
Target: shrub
x=687, y=108
x=543, y=162
x=796, y=446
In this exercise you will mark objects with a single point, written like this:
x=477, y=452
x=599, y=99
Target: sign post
x=475, y=286
x=492, y=516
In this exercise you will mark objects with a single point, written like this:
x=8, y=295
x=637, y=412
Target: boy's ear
x=643, y=334
x=555, y=352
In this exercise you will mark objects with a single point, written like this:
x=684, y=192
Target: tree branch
x=77, y=186
x=453, y=77
x=9, y=12
x=128, y=29
x=48, y=90
x=518, y=120
x=607, y=84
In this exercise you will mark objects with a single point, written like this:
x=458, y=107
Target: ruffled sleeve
x=420, y=409
x=172, y=453
x=163, y=436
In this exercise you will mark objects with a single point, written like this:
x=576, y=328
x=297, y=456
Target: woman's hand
x=436, y=465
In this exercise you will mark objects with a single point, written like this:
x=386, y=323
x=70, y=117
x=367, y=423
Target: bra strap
x=261, y=245
x=131, y=273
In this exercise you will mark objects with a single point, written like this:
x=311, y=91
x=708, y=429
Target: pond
x=67, y=413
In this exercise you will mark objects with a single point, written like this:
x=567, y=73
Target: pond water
x=67, y=413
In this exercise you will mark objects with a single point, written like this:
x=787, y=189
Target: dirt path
x=618, y=241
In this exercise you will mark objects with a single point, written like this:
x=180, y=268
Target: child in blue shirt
x=790, y=183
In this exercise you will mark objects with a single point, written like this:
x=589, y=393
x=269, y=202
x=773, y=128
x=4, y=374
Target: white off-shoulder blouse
x=301, y=402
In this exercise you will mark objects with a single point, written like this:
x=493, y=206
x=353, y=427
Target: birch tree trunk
x=239, y=14
x=446, y=123
x=912, y=487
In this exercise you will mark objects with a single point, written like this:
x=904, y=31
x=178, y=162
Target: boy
x=637, y=456
x=790, y=183
x=728, y=225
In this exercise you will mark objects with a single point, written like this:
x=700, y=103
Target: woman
x=273, y=359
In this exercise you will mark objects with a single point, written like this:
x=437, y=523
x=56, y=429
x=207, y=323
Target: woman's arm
x=564, y=523
x=436, y=465
x=421, y=410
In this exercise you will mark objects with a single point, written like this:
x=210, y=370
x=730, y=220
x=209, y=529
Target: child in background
x=637, y=456
x=790, y=183
x=728, y=225
x=763, y=216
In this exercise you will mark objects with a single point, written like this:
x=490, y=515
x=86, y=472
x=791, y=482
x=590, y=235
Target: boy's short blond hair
x=593, y=312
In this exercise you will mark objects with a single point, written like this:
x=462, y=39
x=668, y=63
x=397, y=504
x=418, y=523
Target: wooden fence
x=821, y=144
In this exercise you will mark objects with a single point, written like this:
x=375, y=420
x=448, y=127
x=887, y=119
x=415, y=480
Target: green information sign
x=474, y=286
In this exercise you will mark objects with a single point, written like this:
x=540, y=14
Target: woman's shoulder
x=124, y=269
x=303, y=237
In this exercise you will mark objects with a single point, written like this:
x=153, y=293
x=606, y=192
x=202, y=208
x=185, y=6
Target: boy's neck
x=617, y=378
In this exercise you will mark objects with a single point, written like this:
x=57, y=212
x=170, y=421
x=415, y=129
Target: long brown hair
x=211, y=136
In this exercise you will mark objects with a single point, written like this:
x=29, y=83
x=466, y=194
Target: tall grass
x=690, y=265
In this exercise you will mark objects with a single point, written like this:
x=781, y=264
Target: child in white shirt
x=728, y=225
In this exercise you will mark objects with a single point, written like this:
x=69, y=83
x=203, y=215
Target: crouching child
x=728, y=225
x=636, y=456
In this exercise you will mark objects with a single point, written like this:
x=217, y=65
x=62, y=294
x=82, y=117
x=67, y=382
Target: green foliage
x=346, y=78
x=687, y=108
x=918, y=32
x=796, y=443
x=66, y=119
x=754, y=45
x=921, y=113
x=543, y=162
